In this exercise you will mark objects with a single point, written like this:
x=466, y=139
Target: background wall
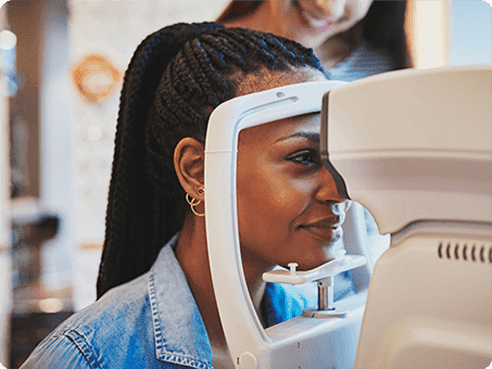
x=5, y=242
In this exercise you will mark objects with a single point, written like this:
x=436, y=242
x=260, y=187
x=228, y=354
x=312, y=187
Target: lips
x=319, y=13
x=327, y=230
x=322, y=13
x=315, y=20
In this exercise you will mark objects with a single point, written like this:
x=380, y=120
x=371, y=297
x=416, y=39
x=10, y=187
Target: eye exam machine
x=415, y=148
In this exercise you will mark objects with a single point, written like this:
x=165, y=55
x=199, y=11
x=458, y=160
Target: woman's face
x=289, y=209
x=311, y=22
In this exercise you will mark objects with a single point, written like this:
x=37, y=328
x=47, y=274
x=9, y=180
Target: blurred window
x=472, y=32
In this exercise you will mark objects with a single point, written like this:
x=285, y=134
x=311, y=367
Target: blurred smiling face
x=289, y=209
x=311, y=22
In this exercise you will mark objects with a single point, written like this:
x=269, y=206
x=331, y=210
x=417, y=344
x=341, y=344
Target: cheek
x=272, y=198
x=357, y=9
x=288, y=197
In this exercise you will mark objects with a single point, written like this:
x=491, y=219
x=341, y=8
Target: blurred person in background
x=352, y=38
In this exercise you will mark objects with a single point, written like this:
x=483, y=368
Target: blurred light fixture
x=8, y=80
x=51, y=305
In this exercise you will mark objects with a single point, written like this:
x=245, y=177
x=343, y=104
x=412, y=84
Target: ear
x=189, y=158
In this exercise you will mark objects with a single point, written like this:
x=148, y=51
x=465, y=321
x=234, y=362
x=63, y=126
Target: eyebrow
x=312, y=136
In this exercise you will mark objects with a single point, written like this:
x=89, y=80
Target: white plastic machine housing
x=301, y=342
x=415, y=144
x=415, y=148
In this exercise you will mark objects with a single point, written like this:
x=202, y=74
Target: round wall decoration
x=95, y=77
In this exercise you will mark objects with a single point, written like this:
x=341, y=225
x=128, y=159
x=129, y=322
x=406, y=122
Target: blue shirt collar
x=180, y=335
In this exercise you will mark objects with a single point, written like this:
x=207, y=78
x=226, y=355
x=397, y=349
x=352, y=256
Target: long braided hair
x=175, y=78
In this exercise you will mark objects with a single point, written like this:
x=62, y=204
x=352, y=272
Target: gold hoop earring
x=194, y=202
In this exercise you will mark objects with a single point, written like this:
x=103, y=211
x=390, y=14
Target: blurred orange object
x=95, y=78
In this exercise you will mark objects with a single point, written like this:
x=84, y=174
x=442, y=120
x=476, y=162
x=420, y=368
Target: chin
x=313, y=261
x=336, y=251
x=334, y=240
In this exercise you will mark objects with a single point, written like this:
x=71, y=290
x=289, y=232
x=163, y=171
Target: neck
x=336, y=49
x=192, y=255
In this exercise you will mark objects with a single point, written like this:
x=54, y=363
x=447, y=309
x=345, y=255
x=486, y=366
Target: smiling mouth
x=328, y=230
x=325, y=234
x=315, y=21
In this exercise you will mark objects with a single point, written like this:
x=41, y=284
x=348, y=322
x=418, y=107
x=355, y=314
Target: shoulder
x=364, y=61
x=58, y=351
x=115, y=330
x=372, y=59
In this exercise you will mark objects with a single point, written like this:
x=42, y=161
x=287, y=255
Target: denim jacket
x=149, y=322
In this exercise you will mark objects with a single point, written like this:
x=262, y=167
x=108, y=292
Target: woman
x=352, y=38
x=288, y=206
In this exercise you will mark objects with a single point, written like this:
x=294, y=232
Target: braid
x=124, y=217
x=196, y=68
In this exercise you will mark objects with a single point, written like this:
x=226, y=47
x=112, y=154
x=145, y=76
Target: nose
x=327, y=190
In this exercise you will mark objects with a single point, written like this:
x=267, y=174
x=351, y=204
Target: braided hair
x=175, y=78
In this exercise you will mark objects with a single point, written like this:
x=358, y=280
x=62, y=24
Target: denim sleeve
x=63, y=350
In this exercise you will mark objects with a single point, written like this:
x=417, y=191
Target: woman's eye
x=306, y=157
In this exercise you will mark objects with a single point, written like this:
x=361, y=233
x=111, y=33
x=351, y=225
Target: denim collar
x=179, y=331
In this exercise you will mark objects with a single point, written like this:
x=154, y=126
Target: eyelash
x=301, y=157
